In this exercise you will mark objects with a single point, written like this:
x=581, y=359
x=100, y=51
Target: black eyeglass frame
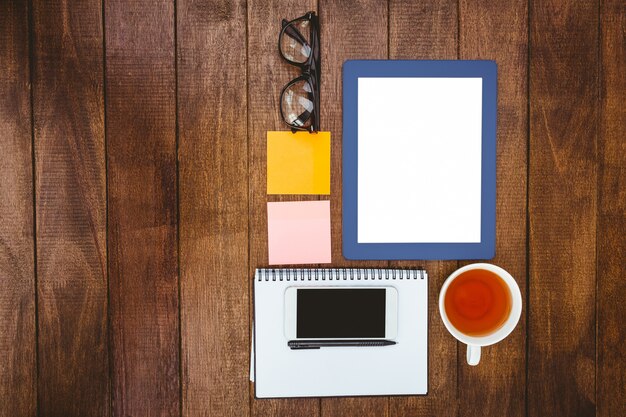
x=310, y=71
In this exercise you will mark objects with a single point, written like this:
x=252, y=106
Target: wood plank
x=349, y=30
x=267, y=74
x=429, y=30
x=611, y=311
x=18, y=378
x=562, y=207
x=499, y=31
x=338, y=45
x=141, y=151
x=70, y=200
x=213, y=161
x=423, y=30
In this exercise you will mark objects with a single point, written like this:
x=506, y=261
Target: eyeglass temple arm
x=294, y=33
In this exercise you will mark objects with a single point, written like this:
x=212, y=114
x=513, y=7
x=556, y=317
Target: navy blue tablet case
x=352, y=70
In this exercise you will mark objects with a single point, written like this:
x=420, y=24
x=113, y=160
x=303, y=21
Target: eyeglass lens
x=295, y=43
x=297, y=104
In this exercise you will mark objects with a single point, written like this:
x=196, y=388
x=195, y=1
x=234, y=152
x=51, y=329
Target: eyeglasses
x=299, y=44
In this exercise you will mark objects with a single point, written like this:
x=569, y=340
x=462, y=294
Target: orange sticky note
x=298, y=163
x=298, y=232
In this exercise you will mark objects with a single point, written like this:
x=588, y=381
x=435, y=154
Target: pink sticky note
x=298, y=232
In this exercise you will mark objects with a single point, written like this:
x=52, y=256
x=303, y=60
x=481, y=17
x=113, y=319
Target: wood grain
x=429, y=30
x=18, y=377
x=213, y=159
x=70, y=208
x=267, y=74
x=349, y=30
x=498, y=31
x=423, y=30
x=562, y=207
x=141, y=150
x=611, y=311
x=571, y=160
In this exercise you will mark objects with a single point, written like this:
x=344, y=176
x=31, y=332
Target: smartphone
x=341, y=313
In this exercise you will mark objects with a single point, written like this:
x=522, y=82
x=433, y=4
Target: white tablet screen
x=419, y=160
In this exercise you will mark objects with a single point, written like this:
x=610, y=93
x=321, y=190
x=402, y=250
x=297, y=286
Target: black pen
x=316, y=344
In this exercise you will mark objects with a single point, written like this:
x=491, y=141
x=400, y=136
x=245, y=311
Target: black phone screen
x=340, y=313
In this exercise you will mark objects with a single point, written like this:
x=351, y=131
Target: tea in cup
x=480, y=304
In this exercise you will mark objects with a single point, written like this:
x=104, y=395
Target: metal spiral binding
x=338, y=274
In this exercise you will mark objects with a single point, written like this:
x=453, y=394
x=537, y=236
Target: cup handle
x=473, y=355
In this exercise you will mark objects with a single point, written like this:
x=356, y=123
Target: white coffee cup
x=474, y=343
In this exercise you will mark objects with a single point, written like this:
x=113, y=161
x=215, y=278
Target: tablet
x=419, y=159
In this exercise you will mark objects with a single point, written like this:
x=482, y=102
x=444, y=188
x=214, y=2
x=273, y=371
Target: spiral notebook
x=401, y=369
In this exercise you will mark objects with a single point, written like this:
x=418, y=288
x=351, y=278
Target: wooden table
x=132, y=200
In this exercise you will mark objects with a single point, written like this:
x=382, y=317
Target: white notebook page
x=419, y=160
x=342, y=371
